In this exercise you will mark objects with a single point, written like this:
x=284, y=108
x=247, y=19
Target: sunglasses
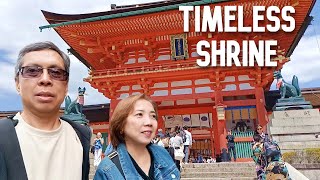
x=36, y=71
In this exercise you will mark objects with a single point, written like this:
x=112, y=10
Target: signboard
x=179, y=47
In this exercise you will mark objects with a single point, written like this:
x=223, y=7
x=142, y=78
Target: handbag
x=178, y=154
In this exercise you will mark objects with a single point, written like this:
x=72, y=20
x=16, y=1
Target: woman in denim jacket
x=132, y=127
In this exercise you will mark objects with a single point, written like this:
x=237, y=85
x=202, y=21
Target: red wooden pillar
x=213, y=153
x=219, y=127
x=215, y=128
x=262, y=115
x=113, y=105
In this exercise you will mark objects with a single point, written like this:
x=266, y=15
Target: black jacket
x=11, y=162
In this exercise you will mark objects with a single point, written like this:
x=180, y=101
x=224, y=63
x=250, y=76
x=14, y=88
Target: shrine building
x=143, y=48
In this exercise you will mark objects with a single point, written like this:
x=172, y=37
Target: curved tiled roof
x=56, y=19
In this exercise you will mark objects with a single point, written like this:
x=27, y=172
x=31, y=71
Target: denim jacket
x=164, y=167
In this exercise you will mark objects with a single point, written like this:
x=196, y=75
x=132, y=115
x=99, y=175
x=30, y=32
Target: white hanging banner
x=204, y=120
x=178, y=120
x=169, y=121
x=186, y=120
x=195, y=121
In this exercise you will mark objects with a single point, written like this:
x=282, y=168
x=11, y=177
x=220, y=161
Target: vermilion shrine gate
x=143, y=49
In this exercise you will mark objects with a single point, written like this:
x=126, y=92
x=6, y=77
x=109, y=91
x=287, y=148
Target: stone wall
x=311, y=171
x=295, y=129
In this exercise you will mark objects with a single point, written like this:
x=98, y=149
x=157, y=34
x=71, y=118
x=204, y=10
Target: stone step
x=218, y=169
x=295, y=138
x=295, y=121
x=298, y=145
x=218, y=174
x=295, y=129
x=221, y=164
x=213, y=171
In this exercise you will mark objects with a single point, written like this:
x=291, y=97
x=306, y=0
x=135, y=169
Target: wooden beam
x=247, y=102
x=238, y=93
x=183, y=97
x=182, y=111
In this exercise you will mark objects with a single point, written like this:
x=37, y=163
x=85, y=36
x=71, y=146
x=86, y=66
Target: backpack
x=183, y=136
x=92, y=149
x=271, y=150
x=11, y=160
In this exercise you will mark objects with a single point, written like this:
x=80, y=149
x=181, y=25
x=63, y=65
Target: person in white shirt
x=98, y=144
x=211, y=160
x=158, y=141
x=187, y=144
x=177, y=143
x=50, y=146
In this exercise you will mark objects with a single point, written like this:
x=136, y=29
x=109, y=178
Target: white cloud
x=20, y=21
x=77, y=72
x=7, y=84
x=305, y=61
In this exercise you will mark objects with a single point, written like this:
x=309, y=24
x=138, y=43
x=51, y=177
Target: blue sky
x=21, y=19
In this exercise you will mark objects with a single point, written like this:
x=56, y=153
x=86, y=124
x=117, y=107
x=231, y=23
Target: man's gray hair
x=38, y=46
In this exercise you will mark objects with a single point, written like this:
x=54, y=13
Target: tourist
x=132, y=127
x=177, y=144
x=200, y=158
x=48, y=147
x=187, y=144
x=98, y=143
x=167, y=146
x=231, y=145
x=259, y=131
x=160, y=133
x=258, y=158
x=158, y=140
x=241, y=126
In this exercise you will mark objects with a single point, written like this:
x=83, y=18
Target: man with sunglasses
x=51, y=148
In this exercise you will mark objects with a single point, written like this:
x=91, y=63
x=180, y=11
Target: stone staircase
x=212, y=171
x=92, y=169
x=219, y=171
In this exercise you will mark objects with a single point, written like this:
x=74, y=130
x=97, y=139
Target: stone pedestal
x=292, y=103
x=295, y=129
